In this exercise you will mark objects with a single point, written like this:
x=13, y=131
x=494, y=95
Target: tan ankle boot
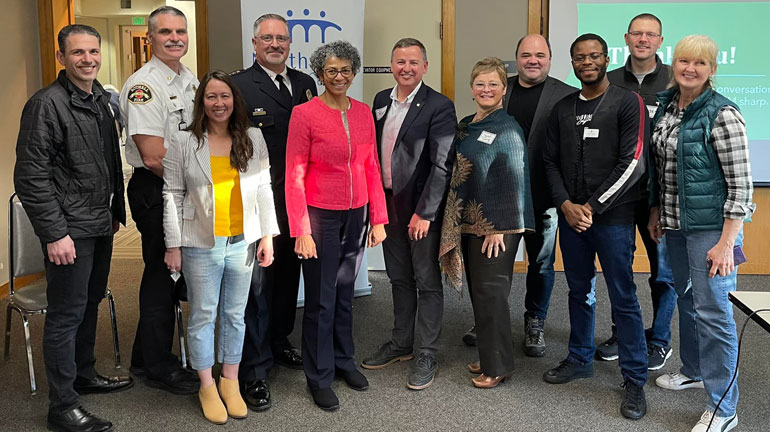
x=213, y=409
x=231, y=395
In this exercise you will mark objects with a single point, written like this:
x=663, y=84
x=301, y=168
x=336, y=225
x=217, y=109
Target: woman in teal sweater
x=488, y=208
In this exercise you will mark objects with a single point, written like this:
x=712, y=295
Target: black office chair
x=25, y=257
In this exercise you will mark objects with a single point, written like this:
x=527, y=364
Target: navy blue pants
x=327, y=324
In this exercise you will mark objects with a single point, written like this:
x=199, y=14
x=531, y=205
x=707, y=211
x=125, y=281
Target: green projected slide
x=740, y=29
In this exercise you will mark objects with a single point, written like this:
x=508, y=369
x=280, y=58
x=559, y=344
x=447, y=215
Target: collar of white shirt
x=184, y=74
x=272, y=74
x=409, y=99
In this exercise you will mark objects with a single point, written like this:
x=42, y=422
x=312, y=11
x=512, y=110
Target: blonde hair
x=490, y=64
x=696, y=47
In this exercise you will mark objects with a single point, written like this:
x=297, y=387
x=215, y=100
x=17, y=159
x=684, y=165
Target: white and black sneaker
x=718, y=424
x=677, y=381
x=657, y=356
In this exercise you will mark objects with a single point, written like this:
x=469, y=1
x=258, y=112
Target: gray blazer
x=188, y=193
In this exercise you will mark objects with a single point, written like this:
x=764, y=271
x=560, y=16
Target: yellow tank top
x=228, y=206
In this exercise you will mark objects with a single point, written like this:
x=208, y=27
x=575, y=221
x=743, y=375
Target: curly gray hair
x=343, y=50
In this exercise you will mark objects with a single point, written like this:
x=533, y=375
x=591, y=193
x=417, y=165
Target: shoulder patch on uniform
x=140, y=94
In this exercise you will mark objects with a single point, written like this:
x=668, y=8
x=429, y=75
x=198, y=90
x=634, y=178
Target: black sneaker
x=469, y=338
x=387, y=354
x=534, y=337
x=634, y=405
x=657, y=356
x=568, y=371
x=423, y=371
x=608, y=350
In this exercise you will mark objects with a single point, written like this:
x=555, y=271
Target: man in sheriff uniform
x=156, y=102
x=271, y=90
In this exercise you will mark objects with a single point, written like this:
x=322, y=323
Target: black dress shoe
x=102, y=384
x=77, y=420
x=325, y=399
x=290, y=358
x=256, y=394
x=353, y=378
x=181, y=382
x=137, y=370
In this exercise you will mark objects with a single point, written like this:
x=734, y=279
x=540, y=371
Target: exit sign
x=137, y=20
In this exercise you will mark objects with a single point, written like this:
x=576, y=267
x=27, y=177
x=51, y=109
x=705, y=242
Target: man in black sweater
x=645, y=73
x=594, y=158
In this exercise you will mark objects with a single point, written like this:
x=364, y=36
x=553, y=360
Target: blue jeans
x=541, y=252
x=661, y=280
x=614, y=245
x=707, y=334
x=218, y=282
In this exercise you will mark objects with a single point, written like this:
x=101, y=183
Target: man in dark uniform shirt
x=271, y=90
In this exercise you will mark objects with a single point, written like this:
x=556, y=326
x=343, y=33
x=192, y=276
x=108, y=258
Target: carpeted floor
x=524, y=403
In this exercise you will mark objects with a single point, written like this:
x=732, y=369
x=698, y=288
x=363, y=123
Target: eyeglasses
x=638, y=34
x=494, y=85
x=331, y=73
x=269, y=38
x=594, y=56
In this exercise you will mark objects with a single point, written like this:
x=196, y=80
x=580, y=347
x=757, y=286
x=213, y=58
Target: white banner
x=312, y=23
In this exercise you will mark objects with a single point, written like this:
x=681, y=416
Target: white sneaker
x=719, y=424
x=677, y=381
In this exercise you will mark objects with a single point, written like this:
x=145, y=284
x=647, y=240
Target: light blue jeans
x=707, y=335
x=218, y=281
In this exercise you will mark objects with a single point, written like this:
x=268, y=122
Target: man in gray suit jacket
x=529, y=98
x=415, y=129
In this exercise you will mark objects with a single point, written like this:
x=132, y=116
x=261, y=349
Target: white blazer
x=188, y=193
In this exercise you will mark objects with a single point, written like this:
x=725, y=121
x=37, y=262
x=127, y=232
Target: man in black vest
x=68, y=176
x=646, y=74
x=271, y=89
x=529, y=98
x=594, y=158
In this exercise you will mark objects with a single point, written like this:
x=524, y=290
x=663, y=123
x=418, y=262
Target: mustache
x=174, y=44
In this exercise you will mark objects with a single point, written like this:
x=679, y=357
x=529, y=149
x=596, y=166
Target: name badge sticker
x=380, y=112
x=590, y=133
x=487, y=137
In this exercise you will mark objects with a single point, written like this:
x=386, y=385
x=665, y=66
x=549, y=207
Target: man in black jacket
x=68, y=177
x=646, y=74
x=271, y=90
x=594, y=158
x=415, y=127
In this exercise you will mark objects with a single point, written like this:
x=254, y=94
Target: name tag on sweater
x=487, y=137
x=590, y=133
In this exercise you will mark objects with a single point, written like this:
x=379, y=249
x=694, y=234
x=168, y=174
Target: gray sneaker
x=423, y=371
x=534, y=337
x=386, y=355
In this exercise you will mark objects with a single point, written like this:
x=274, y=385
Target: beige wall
x=381, y=32
x=188, y=7
x=18, y=84
x=491, y=30
x=422, y=22
x=112, y=7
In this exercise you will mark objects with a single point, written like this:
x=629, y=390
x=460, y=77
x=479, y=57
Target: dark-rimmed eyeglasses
x=594, y=56
x=638, y=34
x=331, y=73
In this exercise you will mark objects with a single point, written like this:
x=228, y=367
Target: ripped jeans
x=614, y=245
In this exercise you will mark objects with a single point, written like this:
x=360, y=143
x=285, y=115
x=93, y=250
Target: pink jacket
x=324, y=170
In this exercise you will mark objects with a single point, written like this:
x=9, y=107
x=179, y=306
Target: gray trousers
x=418, y=296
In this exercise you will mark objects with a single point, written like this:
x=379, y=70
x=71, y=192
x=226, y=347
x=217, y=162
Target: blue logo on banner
x=307, y=24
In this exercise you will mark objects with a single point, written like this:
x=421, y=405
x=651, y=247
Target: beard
x=599, y=76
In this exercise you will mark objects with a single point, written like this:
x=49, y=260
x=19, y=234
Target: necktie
x=283, y=88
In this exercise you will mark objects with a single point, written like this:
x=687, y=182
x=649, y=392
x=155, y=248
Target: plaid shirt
x=728, y=136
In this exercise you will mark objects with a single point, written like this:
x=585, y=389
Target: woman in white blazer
x=218, y=203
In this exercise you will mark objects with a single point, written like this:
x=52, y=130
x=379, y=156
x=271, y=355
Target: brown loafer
x=486, y=382
x=474, y=368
